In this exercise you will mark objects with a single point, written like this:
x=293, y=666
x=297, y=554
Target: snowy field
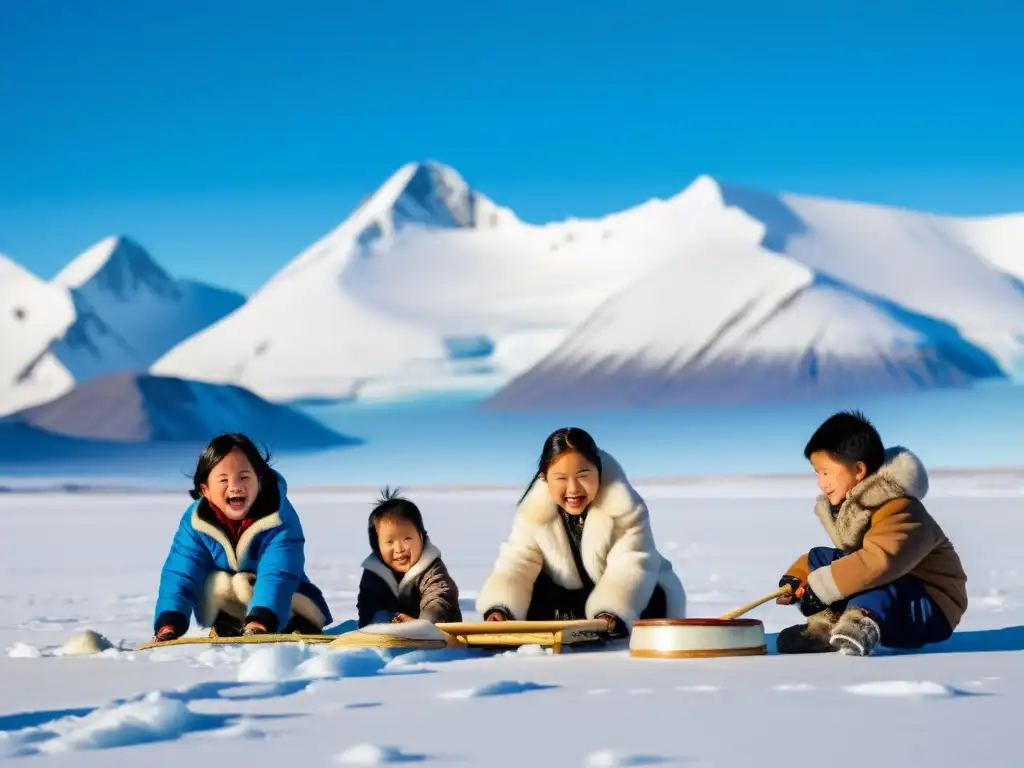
x=73, y=562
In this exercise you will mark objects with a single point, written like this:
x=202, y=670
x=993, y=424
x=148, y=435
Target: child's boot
x=856, y=633
x=812, y=637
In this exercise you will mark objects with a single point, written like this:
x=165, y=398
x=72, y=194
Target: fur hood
x=615, y=498
x=410, y=578
x=901, y=475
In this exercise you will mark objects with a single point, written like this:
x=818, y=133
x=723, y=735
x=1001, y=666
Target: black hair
x=560, y=442
x=221, y=446
x=849, y=437
x=391, y=504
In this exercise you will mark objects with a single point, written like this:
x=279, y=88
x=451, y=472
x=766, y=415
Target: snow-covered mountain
x=426, y=285
x=140, y=408
x=129, y=311
x=113, y=308
x=716, y=294
x=32, y=313
x=772, y=298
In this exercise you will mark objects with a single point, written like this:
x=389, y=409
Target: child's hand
x=616, y=628
x=254, y=628
x=166, y=633
x=495, y=616
x=400, y=618
x=794, y=584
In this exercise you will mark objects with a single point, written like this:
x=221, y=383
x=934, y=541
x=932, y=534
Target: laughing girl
x=237, y=560
x=581, y=546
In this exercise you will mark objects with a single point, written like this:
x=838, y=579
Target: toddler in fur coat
x=404, y=577
x=892, y=578
x=581, y=546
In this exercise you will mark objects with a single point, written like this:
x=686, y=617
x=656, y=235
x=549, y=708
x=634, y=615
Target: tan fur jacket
x=886, y=533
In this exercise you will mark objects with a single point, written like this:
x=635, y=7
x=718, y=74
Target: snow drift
x=140, y=408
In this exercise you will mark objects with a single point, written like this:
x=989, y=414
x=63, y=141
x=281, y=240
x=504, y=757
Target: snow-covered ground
x=73, y=562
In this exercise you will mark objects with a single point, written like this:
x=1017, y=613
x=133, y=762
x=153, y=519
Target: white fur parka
x=617, y=550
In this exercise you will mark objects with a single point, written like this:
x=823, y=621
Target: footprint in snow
x=370, y=754
x=908, y=688
x=499, y=688
x=607, y=758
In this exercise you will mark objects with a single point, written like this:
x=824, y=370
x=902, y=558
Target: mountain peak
x=428, y=194
x=116, y=265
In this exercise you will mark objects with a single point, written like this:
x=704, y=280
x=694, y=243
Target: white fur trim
x=218, y=595
x=901, y=475
x=235, y=555
x=244, y=585
x=617, y=549
x=375, y=565
x=824, y=585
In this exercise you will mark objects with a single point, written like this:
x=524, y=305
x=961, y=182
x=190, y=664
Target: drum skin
x=697, y=638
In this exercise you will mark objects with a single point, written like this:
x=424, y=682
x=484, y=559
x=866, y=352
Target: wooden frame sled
x=548, y=634
x=240, y=640
x=487, y=634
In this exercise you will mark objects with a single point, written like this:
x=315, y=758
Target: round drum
x=696, y=638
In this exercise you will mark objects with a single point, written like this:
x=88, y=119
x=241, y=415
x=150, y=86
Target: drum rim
x=697, y=623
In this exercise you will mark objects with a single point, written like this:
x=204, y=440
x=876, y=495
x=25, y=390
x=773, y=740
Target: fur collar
x=901, y=475
x=375, y=565
x=616, y=498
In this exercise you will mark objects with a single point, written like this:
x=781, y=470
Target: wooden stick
x=514, y=627
x=737, y=612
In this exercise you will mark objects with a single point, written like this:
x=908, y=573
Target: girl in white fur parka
x=581, y=546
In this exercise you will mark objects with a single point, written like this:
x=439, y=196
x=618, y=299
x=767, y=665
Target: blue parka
x=272, y=548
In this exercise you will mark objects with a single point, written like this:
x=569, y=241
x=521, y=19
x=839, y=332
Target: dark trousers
x=551, y=602
x=906, y=614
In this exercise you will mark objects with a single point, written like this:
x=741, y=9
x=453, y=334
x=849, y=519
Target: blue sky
x=227, y=136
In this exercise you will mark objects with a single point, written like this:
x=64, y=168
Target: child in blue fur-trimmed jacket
x=237, y=560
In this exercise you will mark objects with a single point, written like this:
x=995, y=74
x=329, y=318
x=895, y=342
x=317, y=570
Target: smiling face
x=232, y=485
x=573, y=482
x=836, y=478
x=399, y=542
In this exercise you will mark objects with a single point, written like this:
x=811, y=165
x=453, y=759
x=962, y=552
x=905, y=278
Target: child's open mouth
x=236, y=503
x=575, y=502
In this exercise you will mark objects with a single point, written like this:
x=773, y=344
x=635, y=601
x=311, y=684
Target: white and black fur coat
x=617, y=550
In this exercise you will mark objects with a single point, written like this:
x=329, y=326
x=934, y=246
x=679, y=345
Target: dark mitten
x=794, y=584
x=810, y=603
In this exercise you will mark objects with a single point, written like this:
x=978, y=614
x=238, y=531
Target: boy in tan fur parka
x=893, y=578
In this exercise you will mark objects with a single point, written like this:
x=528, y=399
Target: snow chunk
x=86, y=643
x=272, y=665
x=24, y=651
x=369, y=754
x=155, y=718
x=904, y=688
x=363, y=662
x=286, y=662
